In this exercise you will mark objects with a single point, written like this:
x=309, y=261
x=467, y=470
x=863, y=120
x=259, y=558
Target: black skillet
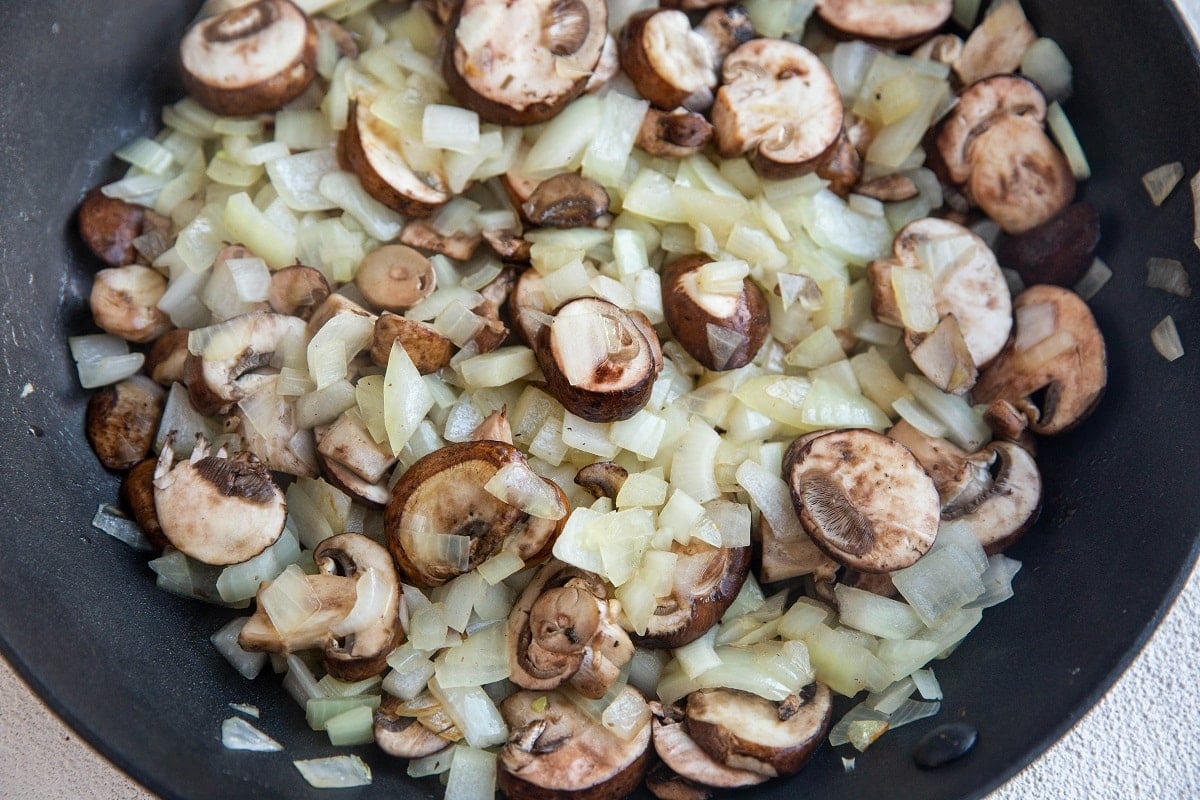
x=130, y=668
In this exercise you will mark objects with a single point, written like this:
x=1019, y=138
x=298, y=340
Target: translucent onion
x=238, y=734
x=353, y=726
x=627, y=714
x=473, y=712
x=944, y=580
x=335, y=772
x=1095, y=279
x=472, y=775
x=289, y=601
x=372, y=595
x=112, y=521
x=1168, y=275
x=1063, y=133
x=482, y=658
x=1165, y=338
x=876, y=615
x=519, y=486
x=247, y=664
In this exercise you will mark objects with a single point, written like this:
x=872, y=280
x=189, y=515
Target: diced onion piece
x=839, y=734
x=500, y=367
x=335, y=688
x=109, y=369
x=1095, y=279
x=372, y=594
x=964, y=425
x=225, y=641
x=246, y=224
x=450, y=128
x=1165, y=338
x=473, y=712
x=641, y=434
x=237, y=734
x=646, y=489
x=843, y=664
x=1035, y=323
x=353, y=726
x=427, y=627
x=345, y=190
x=241, y=581
x=694, y=463
x=997, y=582
x=1046, y=65
x=1169, y=275
x=112, y=521
x=732, y=521
x=627, y=714
x=699, y=656
x=589, y=437
x=804, y=615
x=749, y=599
x=773, y=498
x=247, y=709
x=409, y=682
x=927, y=684
x=563, y=142
x=289, y=601
x=436, y=764
x=892, y=697
x=300, y=683
x=521, y=487
x=482, y=658
x=500, y=566
x=406, y=398
x=912, y=711
x=472, y=775
x=876, y=615
x=1064, y=134
x=914, y=297
x=1161, y=181
x=335, y=772
x=944, y=580
x=607, y=154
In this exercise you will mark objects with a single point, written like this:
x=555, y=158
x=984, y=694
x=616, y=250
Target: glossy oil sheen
x=131, y=668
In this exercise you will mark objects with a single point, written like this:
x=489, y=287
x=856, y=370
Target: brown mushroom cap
x=600, y=361
x=124, y=302
x=556, y=752
x=744, y=731
x=428, y=349
x=217, y=510
x=421, y=234
x=673, y=134
x=395, y=277
x=443, y=494
x=670, y=64
x=297, y=290
x=167, y=356
x=897, y=24
x=708, y=580
x=690, y=312
x=602, y=479
x=251, y=59
x=864, y=499
x=137, y=496
x=679, y=752
x=1009, y=502
x=401, y=736
x=763, y=78
x=226, y=370
x=1058, y=251
x=505, y=60
x=567, y=200
x=1070, y=364
x=980, y=106
x=109, y=226
x=375, y=151
x=122, y=419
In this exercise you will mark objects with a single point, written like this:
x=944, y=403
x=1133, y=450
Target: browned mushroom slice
x=441, y=522
x=944, y=49
x=494, y=428
x=556, y=751
x=943, y=356
x=721, y=331
x=349, y=444
x=568, y=200
x=864, y=499
x=401, y=736
x=895, y=23
x=602, y=479
x=251, y=59
x=428, y=349
x=122, y=419
x=273, y=434
x=520, y=62
x=788, y=558
x=707, y=581
x=297, y=291
x=109, y=226
x=334, y=304
x=1058, y=352
x=744, y=731
x=124, y=302
x=889, y=188
x=997, y=44
x=673, y=134
x=725, y=29
x=508, y=243
x=780, y=104
x=980, y=106
x=1009, y=423
x=670, y=64
x=395, y=278
x=215, y=509
x=679, y=752
x=1058, y=251
x=421, y=234
x=226, y=368
x=375, y=151
x=1008, y=503
x=137, y=496
x=528, y=306
x=842, y=166
x=564, y=629
x=600, y=361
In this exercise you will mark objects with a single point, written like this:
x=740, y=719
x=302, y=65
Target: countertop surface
x=1141, y=742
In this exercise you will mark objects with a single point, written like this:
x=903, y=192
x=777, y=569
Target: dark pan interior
x=131, y=669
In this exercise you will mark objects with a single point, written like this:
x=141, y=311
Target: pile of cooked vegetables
x=583, y=393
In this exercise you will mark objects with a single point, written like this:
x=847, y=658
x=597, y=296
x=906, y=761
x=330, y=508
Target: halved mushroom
x=744, y=731
x=137, y=496
x=355, y=631
x=402, y=736
x=1008, y=502
x=670, y=64
x=997, y=44
x=599, y=360
x=520, y=62
x=428, y=349
x=1057, y=353
x=297, y=291
x=980, y=106
x=217, y=509
x=567, y=200
x=395, y=278
x=251, y=59
x=508, y=243
x=778, y=102
x=375, y=151
x=441, y=522
x=957, y=475
x=226, y=367
x=122, y=420
x=421, y=234
x=721, y=331
x=109, y=226
x=557, y=751
x=564, y=628
x=842, y=166
x=124, y=302
x=679, y=752
x=602, y=479
x=863, y=498
x=706, y=582
x=1058, y=251
x=898, y=24
x=495, y=296
x=673, y=134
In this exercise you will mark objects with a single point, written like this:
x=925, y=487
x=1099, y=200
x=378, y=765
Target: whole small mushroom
x=122, y=419
x=1059, y=251
x=721, y=331
x=109, y=226
x=124, y=302
x=353, y=461
x=395, y=277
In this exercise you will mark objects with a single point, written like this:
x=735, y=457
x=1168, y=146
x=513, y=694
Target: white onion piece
x=646, y=669
x=409, y=682
x=300, y=683
x=1095, y=279
x=876, y=615
x=297, y=178
x=346, y=191
x=458, y=598
x=1046, y=65
x=289, y=601
x=927, y=684
x=473, y=712
x=482, y=658
x=519, y=486
x=1062, y=131
x=436, y=764
x=699, y=656
x=944, y=580
x=803, y=616
x=406, y=398
x=472, y=775
x=627, y=714
x=912, y=711
x=1161, y=181
x=845, y=662
x=237, y=734
x=773, y=498
x=500, y=566
x=892, y=697
x=241, y=581
x=1165, y=338
x=372, y=594
x=964, y=425
x=1035, y=323
x=589, y=437
x=607, y=156
x=225, y=640
x=1168, y=275
x=112, y=521
x=839, y=733
x=997, y=582
x=450, y=128
x=109, y=370
x=335, y=772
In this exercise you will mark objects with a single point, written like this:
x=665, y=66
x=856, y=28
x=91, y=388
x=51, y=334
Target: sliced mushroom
x=274, y=435
x=842, y=166
x=666, y=785
x=421, y=234
x=864, y=499
x=226, y=368
x=744, y=731
x=297, y=291
x=944, y=49
x=602, y=479
x=1009, y=423
x=1058, y=354
x=980, y=106
x=124, y=302
x=607, y=68
x=251, y=59
x=508, y=243
x=349, y=444
x=557, y=751
x=1058, y=251
x=568, y=200
x=997, y=44
x=673, y=134
x=896, y=23
x=428, y=349
x=367, y=455
x=670, y=64
x=1007, y=504
x=684, y=757
x=137, y=496
x=375, y=151
x=441, y=522
x=600, y=361
x=528, y=306
x=889, y=188
x=167, y=356
x=494, y=428
x=334, y=304
x=401, y=736
x=109, y=226
x=707, y=581
x=395, y=278
x=788, y=558
x=725, y=29
x=943, y=356
x=122, y=420
x=957, y=475
x=780, y=104
x=216, y=509
x=564, y=629
x=721, y=331
x=349, y=656
x=520, y=62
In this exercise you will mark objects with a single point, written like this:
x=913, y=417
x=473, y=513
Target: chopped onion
x=472, y=775
x=1165, y=338
x=335, y=688
x=299, y=681
x=627, y=714
x=112, y=521
x=944, y=580
x=804, y=616
x=500, y=367
x=876, y=615
x=241, y=581
x=1169, y=275
x=892, y=697
x=450, y=128
x=246, y=708
x=964, y=425
x=409, y=682
x=997, y=582
x=473, y=712
x=482, y=658
x=289, y=600
x=354, y=726
x=843, y=664
x=1035, y=323
x=1095, y=279
x=436, y=764
x=335, y=772
x=1161, y=181
x=640, y=434
x=247, y=664
x=500, y=566
x=372, y=596
x=589, y=437
x=1064, y=134
x=699, y=656
x=607, y=154
x=320, y=710
x=1046, y=65
x=519, y=486
x=406, y=398
x=237, y=734
x=346, y=191
x=927, y=684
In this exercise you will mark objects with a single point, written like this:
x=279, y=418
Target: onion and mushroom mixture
x=582, y=391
